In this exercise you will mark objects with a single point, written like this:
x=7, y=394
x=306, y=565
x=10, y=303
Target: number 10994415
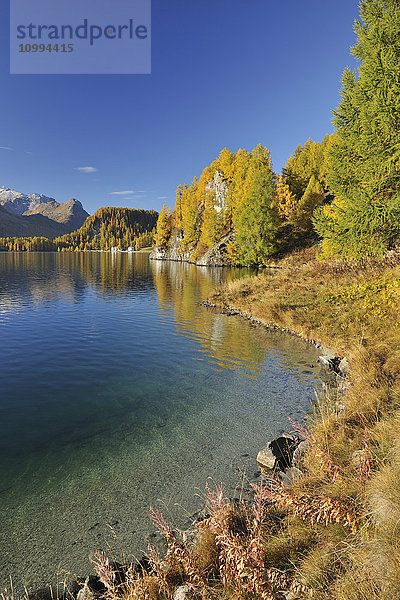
x=46, y=48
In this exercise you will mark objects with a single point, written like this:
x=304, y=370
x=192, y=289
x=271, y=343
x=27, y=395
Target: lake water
x=118, y=391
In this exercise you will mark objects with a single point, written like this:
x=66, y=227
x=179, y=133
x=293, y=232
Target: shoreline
x=231, y=310
x=352, y=307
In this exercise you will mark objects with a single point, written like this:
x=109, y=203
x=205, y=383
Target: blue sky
x=225, y=73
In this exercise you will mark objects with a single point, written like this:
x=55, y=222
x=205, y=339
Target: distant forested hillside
x=109, y=227
x=113, y=227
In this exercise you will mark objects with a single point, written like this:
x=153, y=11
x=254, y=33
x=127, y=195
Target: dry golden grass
x=354, y=455
x=285, y=548
x=206, y=552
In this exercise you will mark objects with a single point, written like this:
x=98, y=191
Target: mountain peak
x=50, y=218
x=17, y=202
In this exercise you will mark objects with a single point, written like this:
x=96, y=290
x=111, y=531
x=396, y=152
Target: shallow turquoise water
x=117, y=391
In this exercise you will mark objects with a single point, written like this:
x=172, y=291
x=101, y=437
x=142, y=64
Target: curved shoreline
x=232, y=311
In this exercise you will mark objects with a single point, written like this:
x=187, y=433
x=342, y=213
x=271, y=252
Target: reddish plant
x=313, y=509
x=180, y=553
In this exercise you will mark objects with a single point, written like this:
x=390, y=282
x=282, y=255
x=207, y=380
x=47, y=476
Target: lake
x=119, y=391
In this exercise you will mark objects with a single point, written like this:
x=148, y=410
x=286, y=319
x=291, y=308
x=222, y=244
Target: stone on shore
x=265, y=458
x=278, y=453
x=184, y=592
x=344, y=367
x=93, y=588
x=299, y=453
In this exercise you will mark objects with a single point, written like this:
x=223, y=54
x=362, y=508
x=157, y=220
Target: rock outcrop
x=215, y=256
x=219, y=187
x=173, y=252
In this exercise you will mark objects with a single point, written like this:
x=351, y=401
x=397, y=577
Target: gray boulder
x=329, y=369
x=184, y=592
x=278, y=453
x=344, y=367
x=299, y=453
x=266, y=458
x=93, y=588
x=85, y=593
x=333, y=369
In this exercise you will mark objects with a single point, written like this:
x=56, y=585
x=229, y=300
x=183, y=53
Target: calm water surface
x=119, y=391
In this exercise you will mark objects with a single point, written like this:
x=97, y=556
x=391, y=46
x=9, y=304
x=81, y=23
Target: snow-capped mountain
x=18, y=203
x=37, y=214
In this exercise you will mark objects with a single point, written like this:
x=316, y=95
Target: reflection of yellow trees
x=180, y=288
x=43, y=276
x=115, y=273
x=106, y=272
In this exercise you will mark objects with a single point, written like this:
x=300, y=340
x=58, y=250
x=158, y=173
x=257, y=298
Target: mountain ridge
x=38, y=215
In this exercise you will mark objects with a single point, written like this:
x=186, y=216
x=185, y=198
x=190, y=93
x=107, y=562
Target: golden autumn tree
x=305, y=174
x=312, y=198
x=177, y=213
x=191, y=216
x=286, y=200
x=163, y=229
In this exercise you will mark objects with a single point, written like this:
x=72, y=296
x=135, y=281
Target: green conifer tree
x=256, y=220
x=364, y=173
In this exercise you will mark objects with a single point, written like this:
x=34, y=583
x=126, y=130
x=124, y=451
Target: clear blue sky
x=225, y=73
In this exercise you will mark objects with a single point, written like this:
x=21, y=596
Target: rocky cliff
x=216, y=255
